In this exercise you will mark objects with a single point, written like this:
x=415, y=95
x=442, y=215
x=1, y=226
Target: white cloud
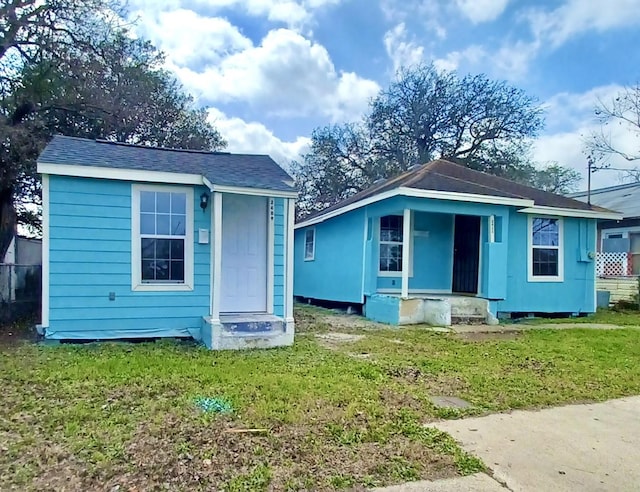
x=473, y=55
x=570, y=121
x=255, y=138
x=293, y=13
x=189, y=39
x=578, y=16
x=478, y=11
x=286, y=75
x=401, y=51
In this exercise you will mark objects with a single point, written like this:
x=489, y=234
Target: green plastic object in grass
x=213, y=405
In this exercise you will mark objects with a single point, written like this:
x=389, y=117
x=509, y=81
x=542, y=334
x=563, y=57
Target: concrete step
x=251, y=325
x=469, y=320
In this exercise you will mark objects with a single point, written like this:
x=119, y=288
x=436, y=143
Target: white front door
x=244, y=254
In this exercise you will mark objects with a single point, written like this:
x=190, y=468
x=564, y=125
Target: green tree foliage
x=67, y=66
x=424, y=114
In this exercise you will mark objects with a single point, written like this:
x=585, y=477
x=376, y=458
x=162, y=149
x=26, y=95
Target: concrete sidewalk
x=579, y=447
x=473, y=483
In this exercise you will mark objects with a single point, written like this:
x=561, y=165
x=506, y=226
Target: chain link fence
x=20, y=292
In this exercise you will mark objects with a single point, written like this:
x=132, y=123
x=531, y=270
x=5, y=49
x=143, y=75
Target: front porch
x=434, y=262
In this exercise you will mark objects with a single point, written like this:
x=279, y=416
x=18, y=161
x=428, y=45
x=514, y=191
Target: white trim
x=238, y=190
x=537, y=278
x=270, y=252
x=595, y=268
x=407, y=236
x=120, y=174
x=216, y=241
x=412, y=192
x=313, y=250
x=364, y=251
x=417, y=291
x=46, y=245
x=136, y=281
x=291, y=213
x=569, y=212
x=492, y=228
x=88, y=171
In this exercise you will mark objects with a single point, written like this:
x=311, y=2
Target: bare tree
x=621, y=113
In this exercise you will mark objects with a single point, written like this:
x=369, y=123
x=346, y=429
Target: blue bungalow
x=443, y=242
x=142, y=242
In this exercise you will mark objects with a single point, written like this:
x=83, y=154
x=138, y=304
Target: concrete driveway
x=579, y=447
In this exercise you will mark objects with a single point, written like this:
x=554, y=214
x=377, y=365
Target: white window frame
x=559, y=247
x=311, y=230
x=398, y=274
x=136, y=270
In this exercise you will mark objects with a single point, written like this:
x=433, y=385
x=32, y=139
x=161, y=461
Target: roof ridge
x=150, y=147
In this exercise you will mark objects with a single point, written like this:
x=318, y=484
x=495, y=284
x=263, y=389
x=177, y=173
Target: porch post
x=216, y=257
x=406, y=251
x=291, y=211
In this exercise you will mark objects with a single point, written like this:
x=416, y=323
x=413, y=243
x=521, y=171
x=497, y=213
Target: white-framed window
x=391, y=235
x=310, y=244
x=162, y=238
x=546, y=256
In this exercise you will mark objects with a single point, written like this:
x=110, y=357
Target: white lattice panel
x=613, y=264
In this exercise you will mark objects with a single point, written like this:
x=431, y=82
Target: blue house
x=442, y=241
x=142, y=242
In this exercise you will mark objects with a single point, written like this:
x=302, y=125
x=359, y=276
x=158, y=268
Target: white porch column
x=406, y=251
x=492, y=228
x=288, y=302
x=216, y=257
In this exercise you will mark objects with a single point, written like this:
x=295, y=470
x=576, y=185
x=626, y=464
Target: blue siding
x=90, y=256
x=335, y=274
x=279, y=239
x=575, y=294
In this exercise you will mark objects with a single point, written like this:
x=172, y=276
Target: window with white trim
x=391, y=235
x=162, y=237
x=545, y=239
x=309, y=244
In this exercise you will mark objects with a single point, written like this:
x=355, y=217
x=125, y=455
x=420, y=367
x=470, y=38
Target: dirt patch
x=333, y=339
x=182, y=455
x=17, y=333
x=486, y=336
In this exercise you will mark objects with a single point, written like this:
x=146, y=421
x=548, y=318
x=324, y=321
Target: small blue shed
x=143, y=242
x=442, y=241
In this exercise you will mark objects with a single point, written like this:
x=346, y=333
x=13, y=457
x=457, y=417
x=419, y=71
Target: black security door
x=466, y=254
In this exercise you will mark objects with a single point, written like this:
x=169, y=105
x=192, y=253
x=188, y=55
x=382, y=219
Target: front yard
x=331, y=413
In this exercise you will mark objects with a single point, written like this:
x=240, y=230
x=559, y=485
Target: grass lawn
x=337, y=415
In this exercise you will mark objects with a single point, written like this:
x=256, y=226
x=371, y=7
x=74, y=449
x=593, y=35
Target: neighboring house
x=20, y=274
x=142, y=242
x=442, y=241
x=618, y=236
x=618, y=265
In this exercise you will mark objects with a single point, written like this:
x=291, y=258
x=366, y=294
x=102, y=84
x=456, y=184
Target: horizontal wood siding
x=279, y=256
x=90, y=257
x=621, y=289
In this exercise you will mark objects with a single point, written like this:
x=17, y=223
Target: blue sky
x=272, y=70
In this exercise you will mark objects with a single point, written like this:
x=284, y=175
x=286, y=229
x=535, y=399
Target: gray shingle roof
x=442, y=175
x=224, y=169
x=622, y=198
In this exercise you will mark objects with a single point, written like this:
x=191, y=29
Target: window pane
x=163, y=203
x=162, y=249
x=148, y=249
x=163, y=225
x=178, y=203
x=147, y=224
x=162, y=269
x=147, y=201
x=390, y=258
x=545, y=262
x=177, y=271
x=634, y=240
x=177, y=249
x=178, y=225
x=391, y=228
x=148, y=270
x=545, y=232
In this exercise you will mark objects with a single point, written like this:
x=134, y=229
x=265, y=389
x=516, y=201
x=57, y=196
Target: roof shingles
x=442, y=175
x=224, y=169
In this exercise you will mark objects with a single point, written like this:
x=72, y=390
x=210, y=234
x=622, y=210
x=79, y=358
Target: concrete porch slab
x=480, y=482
